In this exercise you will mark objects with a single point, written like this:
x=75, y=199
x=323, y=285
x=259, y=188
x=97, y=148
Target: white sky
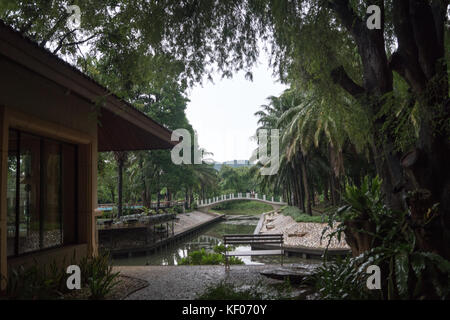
x=223, y=113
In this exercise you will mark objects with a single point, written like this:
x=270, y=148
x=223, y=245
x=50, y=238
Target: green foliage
x=243, y=207
x=178, y=209
x=406, y=272
x=413, y=275
x=300, y=216
x=97, y=274
x=37, y=283
x=147, y=211
x=361, y=203
x=202, y=257
x=221, y=248
x=239, y=179
x=44, y=282
x=342, y=280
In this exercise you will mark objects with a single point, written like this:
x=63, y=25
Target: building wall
x=32, y=103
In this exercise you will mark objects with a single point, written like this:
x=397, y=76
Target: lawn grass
x=300, y=216
x=242, y=207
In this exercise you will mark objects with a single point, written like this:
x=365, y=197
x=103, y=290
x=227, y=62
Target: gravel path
x=306, y=234
x=185, y=282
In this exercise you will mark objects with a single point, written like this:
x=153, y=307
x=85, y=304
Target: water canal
x=208, y=238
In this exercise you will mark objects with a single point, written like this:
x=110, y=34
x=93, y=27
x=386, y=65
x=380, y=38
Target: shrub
x=169, y=210
x=97, y=274
x=341, y=280
x=243, y=207
x=34, y=283
x=300, y=216
x=49, y=282
x=178, y=209
x=107, y=214
x=406, y=272
x=202, y=257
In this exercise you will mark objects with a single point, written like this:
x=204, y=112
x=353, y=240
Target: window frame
x=41, y=195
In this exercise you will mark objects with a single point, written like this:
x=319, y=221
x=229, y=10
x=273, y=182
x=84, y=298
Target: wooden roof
x=121, y=126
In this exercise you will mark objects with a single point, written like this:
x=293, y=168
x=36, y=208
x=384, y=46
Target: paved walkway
x=185, y=282
x=190, y=220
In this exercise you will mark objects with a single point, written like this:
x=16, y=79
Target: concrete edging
x=167, y=241
x=261, y=221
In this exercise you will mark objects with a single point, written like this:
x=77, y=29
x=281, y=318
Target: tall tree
x=314, y=43
x=121, y=158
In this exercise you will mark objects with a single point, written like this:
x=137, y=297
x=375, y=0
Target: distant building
x=234, y=164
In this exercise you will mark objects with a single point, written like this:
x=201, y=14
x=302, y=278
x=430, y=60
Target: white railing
x=238, y=196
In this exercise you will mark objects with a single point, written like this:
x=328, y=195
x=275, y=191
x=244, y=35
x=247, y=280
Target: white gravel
x=305, y=234
x=186, y=282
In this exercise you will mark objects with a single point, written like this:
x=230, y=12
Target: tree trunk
x=420, y=59
x=158, y=199
x=332, y=191
x=326, y=196
x=120, y=158
x=146, y=197
x=120, y=189
x=301, y=193
x=305, y=184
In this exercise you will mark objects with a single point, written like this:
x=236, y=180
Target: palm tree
x=206, y=177
x=121, y=158
x=313, y=134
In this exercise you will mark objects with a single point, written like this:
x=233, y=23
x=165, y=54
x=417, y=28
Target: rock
x=298, y=234
x=295, y=274
x=270, y=226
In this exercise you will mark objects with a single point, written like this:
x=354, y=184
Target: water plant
x=203, y=257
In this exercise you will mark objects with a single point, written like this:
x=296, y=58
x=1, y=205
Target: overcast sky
x=223, y=113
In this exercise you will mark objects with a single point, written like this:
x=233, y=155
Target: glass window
x=42, y=197
x=51, y=192
x=29, y=186
x=11, y=195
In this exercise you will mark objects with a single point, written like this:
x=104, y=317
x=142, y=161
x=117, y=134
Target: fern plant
x=406, y=272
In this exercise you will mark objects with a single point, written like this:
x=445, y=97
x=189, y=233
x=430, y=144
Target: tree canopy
x=361, y=100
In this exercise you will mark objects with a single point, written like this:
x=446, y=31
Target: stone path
x=186, y=282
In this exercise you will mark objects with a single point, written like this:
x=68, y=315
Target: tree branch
x=61, y=40
x=371, y=46
x=61, y=44
x=340, y=76
x=53, y=30
x=348, y=17
x=424, y=27
x=405, y=61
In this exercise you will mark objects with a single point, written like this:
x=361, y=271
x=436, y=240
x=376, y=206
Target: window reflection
x=38, y=211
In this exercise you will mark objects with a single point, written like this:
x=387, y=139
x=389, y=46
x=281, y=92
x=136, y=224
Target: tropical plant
x=98, y=275
x=203, y=257
x=383, y=237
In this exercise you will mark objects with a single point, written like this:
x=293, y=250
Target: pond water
x=208, y=238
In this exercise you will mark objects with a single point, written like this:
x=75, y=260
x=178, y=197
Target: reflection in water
x=208, y=238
